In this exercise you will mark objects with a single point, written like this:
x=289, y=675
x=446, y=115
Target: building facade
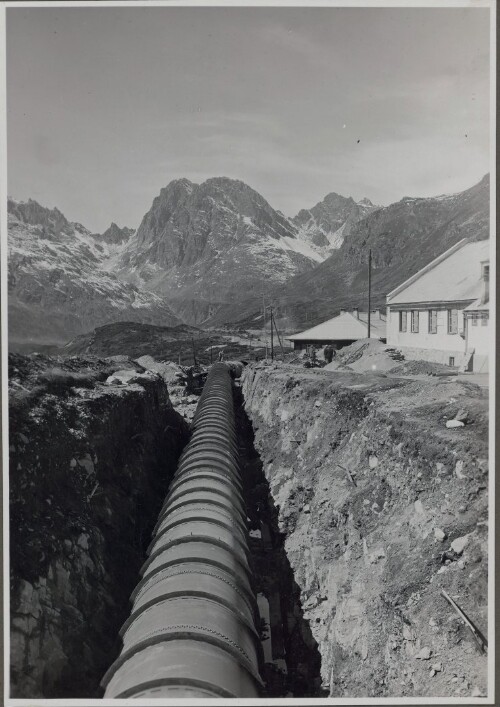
x=442, y=313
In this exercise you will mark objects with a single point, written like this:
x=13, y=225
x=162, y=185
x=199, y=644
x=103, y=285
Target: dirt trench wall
x=89, y=467
x=368, y=482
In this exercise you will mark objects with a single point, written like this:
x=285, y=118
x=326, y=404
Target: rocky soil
x=382, y=507
x=93, y=445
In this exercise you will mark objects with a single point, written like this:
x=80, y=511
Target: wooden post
x=194, y=351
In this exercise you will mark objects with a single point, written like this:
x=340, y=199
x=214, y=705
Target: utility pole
x=264, y=314
x=369, y=290
x=273, y=320
x=272, y=340
x=194, y=351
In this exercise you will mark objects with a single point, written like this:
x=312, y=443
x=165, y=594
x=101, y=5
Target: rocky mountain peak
x=326, y=225
x=210, y=241
x=115, y=235
x=51, y=222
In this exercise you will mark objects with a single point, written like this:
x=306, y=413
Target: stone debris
x=377, y=555
x=462, y=415
x=459, y=544
x=419, y=508
x=424, y=653
x=458, y=470
x=439, y=534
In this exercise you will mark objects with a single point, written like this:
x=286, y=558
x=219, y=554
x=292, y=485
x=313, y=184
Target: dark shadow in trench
x=295, y=670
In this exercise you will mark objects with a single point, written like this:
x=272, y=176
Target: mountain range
x=403, y=237
x=57, y=285
x=204, y=254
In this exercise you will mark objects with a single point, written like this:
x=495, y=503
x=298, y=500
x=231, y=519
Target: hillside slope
x=58, y=287
x=403, y=238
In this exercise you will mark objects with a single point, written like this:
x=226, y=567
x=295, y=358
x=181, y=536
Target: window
x=433, y=321
x=453, y=321
x=484, y=321
x=486, y=271
x=451, y=362
x=474, y=321
x=402, y=321
x=414, y=321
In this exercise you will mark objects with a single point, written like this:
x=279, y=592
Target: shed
x=342, y=330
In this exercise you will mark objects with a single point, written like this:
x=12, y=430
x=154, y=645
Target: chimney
x=342, y=311
x=355, y=312
x=486, y=283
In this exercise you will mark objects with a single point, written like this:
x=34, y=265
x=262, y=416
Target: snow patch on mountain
x=59, y=282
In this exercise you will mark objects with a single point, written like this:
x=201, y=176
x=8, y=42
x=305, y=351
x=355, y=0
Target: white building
x=342, y=330
x=442, y=312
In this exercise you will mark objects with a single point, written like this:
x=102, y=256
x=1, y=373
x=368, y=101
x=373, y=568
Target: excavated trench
x=84, y=502
x=292, y=662
x=357, y=490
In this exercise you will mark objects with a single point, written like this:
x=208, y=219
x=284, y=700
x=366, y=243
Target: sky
x=105, y=106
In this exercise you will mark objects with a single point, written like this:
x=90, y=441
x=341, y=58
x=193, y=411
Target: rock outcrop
x=207, y=247
x=89, y=466
x=381, y=508
x=330, y=222
x=114, y=235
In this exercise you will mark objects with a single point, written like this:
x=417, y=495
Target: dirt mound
x=427, y=368
x=371, y=355
x=362, y=356
x=170, y=372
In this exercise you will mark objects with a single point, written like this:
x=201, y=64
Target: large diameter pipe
x=192, y=629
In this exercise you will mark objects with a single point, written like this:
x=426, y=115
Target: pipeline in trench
x=217, y=611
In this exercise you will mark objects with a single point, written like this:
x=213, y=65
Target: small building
x=442, y=312
x=342, y=330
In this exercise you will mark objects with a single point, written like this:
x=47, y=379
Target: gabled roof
x=453, y=276
x=477, y=306
x=344, y=327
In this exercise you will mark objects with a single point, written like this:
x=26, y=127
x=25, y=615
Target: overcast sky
x=107, y=105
